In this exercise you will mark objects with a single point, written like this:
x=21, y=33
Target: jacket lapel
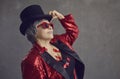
x=56, y=65
x=65, y=49
x=79, y=66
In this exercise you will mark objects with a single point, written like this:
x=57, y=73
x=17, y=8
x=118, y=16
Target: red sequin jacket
x=34, y=65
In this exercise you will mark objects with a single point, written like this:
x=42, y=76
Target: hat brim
x=26, y=24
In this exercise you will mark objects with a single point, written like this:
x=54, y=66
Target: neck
x=43, y=43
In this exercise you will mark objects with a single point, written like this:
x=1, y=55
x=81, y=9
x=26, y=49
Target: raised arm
x=71, y=28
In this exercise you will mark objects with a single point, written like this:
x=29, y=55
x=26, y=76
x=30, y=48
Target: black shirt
x=68, y=62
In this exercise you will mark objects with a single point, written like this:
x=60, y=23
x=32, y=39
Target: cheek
x=41, y=33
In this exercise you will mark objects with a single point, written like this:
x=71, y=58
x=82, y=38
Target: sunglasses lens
x=45, y=25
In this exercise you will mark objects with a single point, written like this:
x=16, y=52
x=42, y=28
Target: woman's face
x=44, y=30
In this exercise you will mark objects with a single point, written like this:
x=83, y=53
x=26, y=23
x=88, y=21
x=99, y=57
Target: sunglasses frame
x=45, y=25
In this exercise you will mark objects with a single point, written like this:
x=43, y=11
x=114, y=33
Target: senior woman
x=52, y=56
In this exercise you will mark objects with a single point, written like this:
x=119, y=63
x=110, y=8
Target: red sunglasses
x=45, y=25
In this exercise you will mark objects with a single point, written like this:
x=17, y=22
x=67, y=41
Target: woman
x=52, y=56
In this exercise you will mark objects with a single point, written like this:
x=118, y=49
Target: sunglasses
x=45, y=25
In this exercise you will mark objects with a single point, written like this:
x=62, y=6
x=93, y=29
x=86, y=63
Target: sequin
x=34, y=67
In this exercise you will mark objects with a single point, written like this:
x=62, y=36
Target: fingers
x=50, y=12
x=56, y=14
x=53, y=13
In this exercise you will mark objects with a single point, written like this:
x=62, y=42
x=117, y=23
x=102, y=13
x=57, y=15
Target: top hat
x=29, y=15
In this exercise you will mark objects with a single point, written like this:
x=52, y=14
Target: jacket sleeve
x=31, y=71
x=71, y=29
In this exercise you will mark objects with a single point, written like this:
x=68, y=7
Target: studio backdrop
x=98, y=44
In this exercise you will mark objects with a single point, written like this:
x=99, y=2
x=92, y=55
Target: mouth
x=50, y=32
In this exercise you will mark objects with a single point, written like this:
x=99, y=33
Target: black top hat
x=30, y=14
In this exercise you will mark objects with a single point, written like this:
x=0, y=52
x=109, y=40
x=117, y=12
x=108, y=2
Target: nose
x=50, y=27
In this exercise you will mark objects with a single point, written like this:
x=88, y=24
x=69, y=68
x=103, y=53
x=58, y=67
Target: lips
x=50, y=32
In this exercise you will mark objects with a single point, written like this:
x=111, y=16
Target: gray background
x=98, y=43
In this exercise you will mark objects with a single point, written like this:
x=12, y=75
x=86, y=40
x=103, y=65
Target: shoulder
x=60, y=38
x=31, y=57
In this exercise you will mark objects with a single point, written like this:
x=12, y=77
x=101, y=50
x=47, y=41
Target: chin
x=49, y=38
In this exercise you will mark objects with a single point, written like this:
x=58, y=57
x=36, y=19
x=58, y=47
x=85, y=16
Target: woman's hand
x=56, y=14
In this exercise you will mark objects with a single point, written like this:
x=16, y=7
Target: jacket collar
x=39, y=48
x=65, y=49
x=42, y=49
x=51, y=61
